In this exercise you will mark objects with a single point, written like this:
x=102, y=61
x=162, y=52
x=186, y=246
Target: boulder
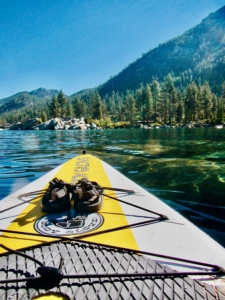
x=31, y=123
x=16, y=126
x=67, y=119
x=93, y=126
x=74, y=120
x=56, y=124
x=66, y=127
x=78, y=127
x=53, y=124
x=69, y=122
x=44, y=126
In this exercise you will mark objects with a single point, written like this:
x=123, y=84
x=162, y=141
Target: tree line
x=154, y=102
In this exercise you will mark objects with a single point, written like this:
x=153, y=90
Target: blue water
x=185, y=168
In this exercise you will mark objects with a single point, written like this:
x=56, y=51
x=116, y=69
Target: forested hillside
x=26, y=99
x=180, y=81
x=197, y=55
x=25, y=104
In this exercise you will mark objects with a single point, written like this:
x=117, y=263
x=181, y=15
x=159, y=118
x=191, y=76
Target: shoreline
x=70, y=123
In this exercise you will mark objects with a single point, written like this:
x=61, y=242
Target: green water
x=185, y=168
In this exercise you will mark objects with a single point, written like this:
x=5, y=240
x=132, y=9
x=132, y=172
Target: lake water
x=185, y=168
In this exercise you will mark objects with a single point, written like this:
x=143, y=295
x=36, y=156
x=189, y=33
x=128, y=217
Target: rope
x=217, y=270
x=56, y=274
x=170, y=275
x=22, y=254
x=40, y=193
x=163, y=217
x=129, y=250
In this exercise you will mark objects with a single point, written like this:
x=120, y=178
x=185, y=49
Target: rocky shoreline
x=53, y=124
x=70, y=123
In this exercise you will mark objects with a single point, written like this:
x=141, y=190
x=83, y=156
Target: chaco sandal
x=57, y=197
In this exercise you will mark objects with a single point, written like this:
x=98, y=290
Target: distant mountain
x=26, y=99
x=44, y=93
x=198, y=54
x=83, y=92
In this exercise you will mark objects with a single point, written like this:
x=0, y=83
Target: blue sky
x=77, y=44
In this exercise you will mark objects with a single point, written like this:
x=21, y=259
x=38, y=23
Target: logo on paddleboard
x=68, y=223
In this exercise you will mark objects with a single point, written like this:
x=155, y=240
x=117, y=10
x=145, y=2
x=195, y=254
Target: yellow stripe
x=73, y=170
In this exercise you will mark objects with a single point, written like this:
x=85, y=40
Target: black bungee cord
x=56, y=273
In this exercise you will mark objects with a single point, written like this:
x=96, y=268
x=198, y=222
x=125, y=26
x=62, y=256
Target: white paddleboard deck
x=176, y=237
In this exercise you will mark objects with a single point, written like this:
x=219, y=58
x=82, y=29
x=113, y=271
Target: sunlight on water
x=184, y=168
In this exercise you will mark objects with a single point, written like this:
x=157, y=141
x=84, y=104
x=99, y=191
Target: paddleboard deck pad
x=91, y=248
x=91, y=262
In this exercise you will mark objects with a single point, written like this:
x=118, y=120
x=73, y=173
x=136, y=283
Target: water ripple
x=184, y=166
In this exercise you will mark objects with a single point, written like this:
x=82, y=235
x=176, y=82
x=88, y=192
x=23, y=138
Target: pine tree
x=191, y=98
x=95, y=106
x=214, y=107
x=222, y=102
x=62, y=103
x=53, y=107
x=163, y=103
x=180, y=107
x=112, y=106
x=147, y=103
x=69, y=110
x=104, y=110
x=170, y=91
x=220, y=109
x=129, y=107
x=3, y=122
x=77, y=108
x=139, y=101
x=43, y=116
x=155, y=89
x=206, y=100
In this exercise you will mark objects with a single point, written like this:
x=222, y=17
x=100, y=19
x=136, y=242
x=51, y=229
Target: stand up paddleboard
x=130, y=246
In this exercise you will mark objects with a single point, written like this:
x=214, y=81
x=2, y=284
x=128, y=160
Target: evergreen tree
x=155, y=89
x=147, y=103
x=139, y=101
x=129, y=107
x=220, y=109
x=214, y=107
x=62, y=103
x=43, y=116
x=69, y=110
x=53, y=107
x=3, y=122
x=120, y=113
x=170, y=92
x=163, y=103
x=112, y=108
x=191, y=99
x=104, y=110
x=78, y=108
x=95, y=106
x=223, y=91
x=199, y=104
x=206, y=100
x=222, y=102
x=180, y=107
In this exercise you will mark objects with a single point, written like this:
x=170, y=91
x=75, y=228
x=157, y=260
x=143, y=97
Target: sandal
x=57, y=197
x=87, y=196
